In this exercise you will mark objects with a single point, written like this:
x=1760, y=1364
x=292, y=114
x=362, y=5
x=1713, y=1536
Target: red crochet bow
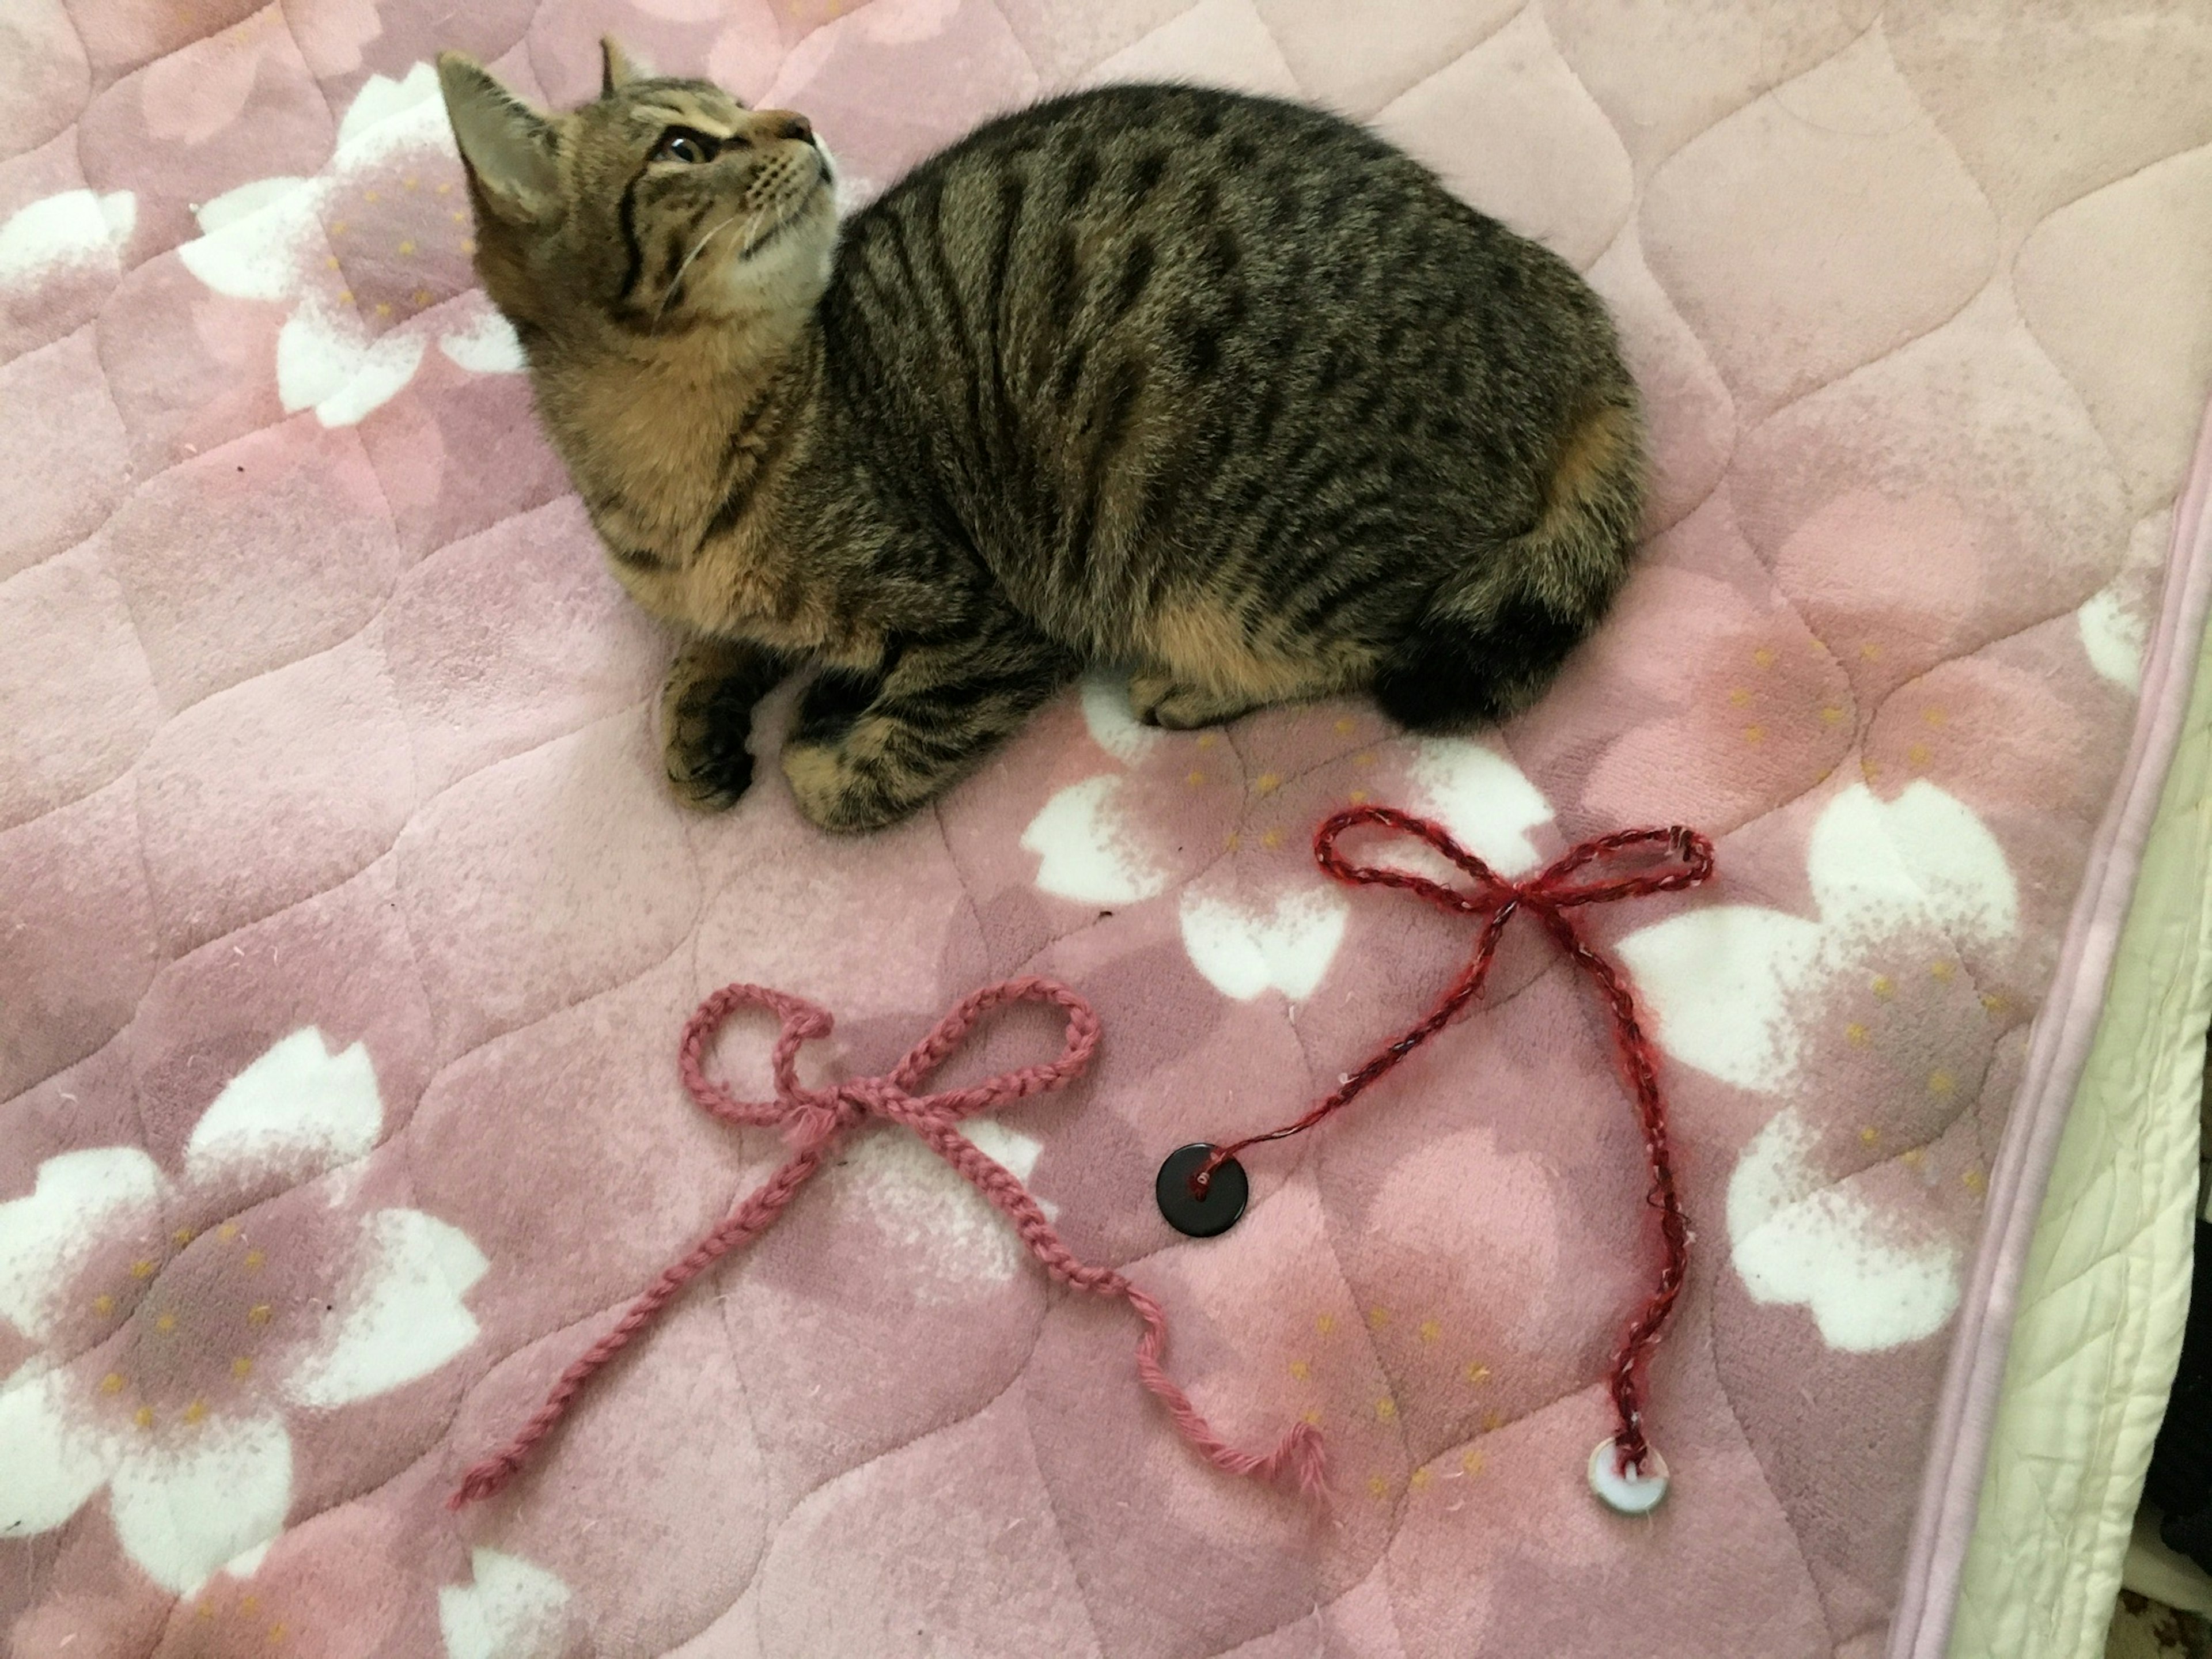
x=815, y=1119
x=1585, y=875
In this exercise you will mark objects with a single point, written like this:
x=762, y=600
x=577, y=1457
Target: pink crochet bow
x=815, y=1119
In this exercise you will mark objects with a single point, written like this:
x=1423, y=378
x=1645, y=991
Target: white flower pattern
x=267, y=240
x=1093, y=845
x=511, y=1609
x=182, y=1414
x=1735, y=989
x=58, y=234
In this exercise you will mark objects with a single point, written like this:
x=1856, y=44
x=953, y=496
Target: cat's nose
x=788, y=124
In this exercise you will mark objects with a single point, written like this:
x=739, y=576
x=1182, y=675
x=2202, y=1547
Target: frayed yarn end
x=1304, y=1458
x=485, y=1480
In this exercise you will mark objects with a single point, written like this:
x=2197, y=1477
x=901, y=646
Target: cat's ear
x=507, y=145
x=617, y=68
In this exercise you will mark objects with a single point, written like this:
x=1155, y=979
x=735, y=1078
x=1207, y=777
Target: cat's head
x=663, y=204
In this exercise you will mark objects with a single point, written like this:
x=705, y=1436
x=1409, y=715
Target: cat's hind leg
x=867, y=749
x=1495, y=633
x=1162, y=701
x=1205, y=663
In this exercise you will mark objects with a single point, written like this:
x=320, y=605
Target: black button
x=1226, y=1189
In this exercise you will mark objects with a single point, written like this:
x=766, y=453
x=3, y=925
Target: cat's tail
x=1495, y=634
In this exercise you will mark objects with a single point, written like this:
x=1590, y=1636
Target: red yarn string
x=1548, y=895
x=815, y=1119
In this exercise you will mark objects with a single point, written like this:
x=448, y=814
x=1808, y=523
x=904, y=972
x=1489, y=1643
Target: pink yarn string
x=815, y=1119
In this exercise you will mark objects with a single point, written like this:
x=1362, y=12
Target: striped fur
x=1226, y=390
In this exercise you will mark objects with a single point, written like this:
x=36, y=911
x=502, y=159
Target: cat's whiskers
x=677, y=281
x=745, y=237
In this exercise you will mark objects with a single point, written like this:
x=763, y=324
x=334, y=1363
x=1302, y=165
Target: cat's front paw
x=704, y=721
x=841, y=788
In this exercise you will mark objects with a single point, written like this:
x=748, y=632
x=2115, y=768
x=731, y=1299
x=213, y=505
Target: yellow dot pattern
x=1383, y=1409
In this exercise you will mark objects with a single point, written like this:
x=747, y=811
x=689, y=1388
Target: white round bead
x=1631, y=1494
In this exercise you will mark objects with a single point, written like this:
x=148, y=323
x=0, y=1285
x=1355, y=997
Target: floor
x=2144, y=1629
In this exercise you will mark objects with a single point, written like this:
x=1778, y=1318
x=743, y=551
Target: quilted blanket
x=346, y=928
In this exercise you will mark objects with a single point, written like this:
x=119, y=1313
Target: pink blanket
x=346, y=928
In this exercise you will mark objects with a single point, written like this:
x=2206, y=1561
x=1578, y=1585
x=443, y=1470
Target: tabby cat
x=1222, y=390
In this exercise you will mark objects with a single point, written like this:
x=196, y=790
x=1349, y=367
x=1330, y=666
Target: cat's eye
x=683, y=144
